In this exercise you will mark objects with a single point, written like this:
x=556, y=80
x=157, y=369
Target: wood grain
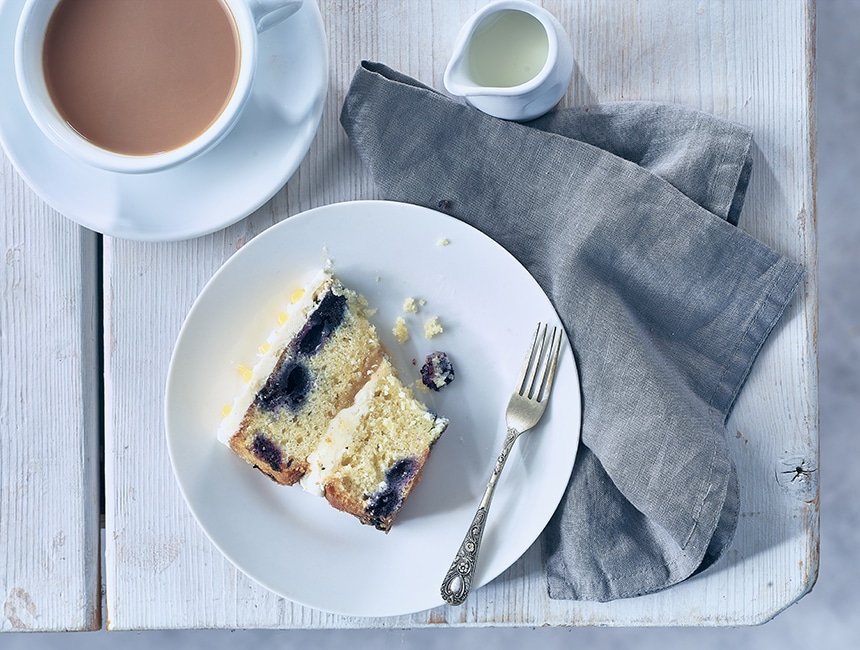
x=750, y=62
x=49, y=416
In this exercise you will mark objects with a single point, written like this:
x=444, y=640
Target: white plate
x=226, y=184
x=295, y=543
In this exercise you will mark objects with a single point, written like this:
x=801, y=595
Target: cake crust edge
x=340, y=499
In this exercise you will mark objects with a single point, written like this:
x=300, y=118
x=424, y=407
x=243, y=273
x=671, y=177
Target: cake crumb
x=443, y=242
x=366, y=309
x=410, y=306
x=419, y=384
x=400, y=332
x=432, y=328
x=327, y=261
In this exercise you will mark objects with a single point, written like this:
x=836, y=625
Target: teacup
x=137, y=87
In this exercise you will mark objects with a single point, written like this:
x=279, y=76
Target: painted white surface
x=49, y=424
x=749, y=62
x=746, y=61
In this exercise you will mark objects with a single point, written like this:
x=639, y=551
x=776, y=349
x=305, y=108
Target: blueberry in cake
x=325, y=407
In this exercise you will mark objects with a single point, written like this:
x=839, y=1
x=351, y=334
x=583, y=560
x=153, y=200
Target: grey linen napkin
x=625, y=215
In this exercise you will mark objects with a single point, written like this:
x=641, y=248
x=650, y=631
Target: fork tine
x=531, y=362
x=539, y=370
x=548, y=375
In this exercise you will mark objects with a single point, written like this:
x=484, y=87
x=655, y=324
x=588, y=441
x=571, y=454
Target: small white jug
x=512, y=60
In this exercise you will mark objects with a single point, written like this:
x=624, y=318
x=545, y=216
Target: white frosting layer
x=278, y=339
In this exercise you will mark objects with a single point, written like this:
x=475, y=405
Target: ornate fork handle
x=458, y=580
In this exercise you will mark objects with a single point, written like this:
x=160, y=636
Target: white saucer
x=225, y=185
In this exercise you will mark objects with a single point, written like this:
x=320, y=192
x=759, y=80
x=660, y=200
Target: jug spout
x=457, y=80
x=512, y=60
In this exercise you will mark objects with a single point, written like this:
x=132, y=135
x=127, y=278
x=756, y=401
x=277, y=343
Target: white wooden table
x=87, y=325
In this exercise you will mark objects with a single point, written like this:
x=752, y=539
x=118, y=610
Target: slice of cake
x=324, y=406
x=374, y=450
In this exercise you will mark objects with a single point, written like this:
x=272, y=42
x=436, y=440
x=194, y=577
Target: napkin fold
x=625, y=214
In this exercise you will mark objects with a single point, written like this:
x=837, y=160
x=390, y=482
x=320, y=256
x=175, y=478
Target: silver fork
x=525, y=409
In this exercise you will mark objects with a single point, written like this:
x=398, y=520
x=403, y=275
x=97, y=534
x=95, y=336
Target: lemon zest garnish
x=264, y=347
x=296, y=296
x=282, y=318
x=245, y=372
x=225, y=410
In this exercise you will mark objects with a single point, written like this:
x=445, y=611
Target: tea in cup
x=132, y=86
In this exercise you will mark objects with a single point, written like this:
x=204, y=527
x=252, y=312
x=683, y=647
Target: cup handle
x=268, y=13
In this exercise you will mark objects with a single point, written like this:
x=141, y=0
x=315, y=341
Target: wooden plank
x=746, y=61
x=49, y=416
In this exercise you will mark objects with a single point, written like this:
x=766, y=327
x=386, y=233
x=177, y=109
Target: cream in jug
x=512, y=60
